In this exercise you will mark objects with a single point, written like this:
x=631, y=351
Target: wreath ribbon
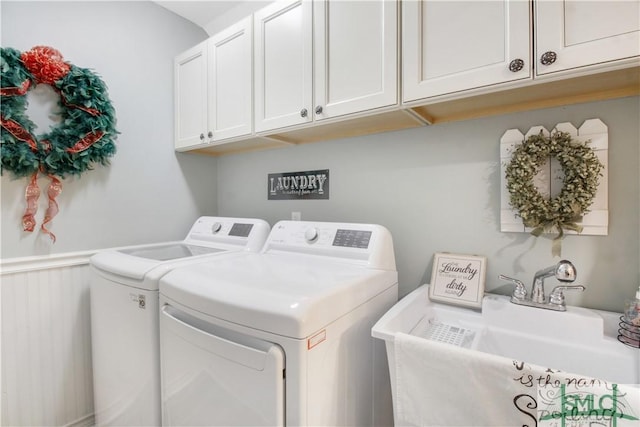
x=60, y=151
x=55, y=188
x=32, y=194
x=556, y=246
x=13, y=91
x=20, y=133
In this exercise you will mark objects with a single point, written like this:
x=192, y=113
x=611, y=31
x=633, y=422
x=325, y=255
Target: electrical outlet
x=296, y=216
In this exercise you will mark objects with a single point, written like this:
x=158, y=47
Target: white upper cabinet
x=190, y=103
x=213, y=89
x=574, y=34
x=451, y=46
x=283, y=65
x=322, y=59
x=311, y=70
x=230, y=89
x=355, y=56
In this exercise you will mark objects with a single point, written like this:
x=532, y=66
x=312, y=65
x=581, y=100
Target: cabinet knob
x=303, y=112
x=548, y=58
x=210, y=134
x=202, y=137
x=516, y=65
x=319, y=109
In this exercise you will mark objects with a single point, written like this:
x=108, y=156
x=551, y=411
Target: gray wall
x=149, y=193
x=438, y=189
x=435, y=188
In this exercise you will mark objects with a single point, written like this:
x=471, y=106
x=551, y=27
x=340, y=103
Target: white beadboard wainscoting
x=46, y=341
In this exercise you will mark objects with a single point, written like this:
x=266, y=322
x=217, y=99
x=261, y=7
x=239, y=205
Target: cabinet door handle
x=303, y=112
x=202, y=137
x=210, y=134
x=516, y=65
x=319, y=109
x=548, y=58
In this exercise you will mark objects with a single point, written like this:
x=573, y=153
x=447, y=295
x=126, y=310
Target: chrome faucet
x=564, y=271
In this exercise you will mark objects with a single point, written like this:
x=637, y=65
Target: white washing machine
x=124, y=313
x=282, y=337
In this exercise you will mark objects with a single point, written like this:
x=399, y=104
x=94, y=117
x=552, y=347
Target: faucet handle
x=519, y=292
x=557, y=294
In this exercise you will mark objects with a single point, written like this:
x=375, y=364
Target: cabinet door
x=190, y=103
x=355, y=56
x=230, y=78
x=582, y=33
x=283, y=67
x=451, y=46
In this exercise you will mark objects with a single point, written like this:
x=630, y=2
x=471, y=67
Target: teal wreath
x=84, y=136
x=86, y=132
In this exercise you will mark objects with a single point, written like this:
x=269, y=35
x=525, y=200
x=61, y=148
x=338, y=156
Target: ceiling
x=200, y=12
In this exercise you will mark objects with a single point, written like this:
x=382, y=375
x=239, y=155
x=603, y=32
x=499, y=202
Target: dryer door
x=215, y=377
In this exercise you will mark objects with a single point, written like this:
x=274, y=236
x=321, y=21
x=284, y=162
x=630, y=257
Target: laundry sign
x=458, y=279
x=298, y=185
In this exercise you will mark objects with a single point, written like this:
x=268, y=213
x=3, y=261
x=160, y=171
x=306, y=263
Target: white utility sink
x=579, y=340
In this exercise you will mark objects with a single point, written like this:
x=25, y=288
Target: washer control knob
x=216, y=227
x=311, y=235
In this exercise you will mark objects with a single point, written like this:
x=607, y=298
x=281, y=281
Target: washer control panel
x=296, y=233
x=368, y=243
x=352, y=238
x=347, y=238
x=209, y=226
x=246, y=232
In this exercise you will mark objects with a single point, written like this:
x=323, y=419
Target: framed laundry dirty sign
x=458, y=279
x=298, y=185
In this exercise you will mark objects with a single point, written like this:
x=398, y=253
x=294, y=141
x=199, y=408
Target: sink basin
x=579, y=341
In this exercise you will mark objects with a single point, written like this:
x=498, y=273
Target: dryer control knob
x=311, y=235
x=216, y=227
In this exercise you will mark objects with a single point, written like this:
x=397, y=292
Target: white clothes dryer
x=124, y=313
x=282, y=337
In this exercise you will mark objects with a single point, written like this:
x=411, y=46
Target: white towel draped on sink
x=440, y=384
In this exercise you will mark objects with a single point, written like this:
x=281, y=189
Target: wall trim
x=44, y=262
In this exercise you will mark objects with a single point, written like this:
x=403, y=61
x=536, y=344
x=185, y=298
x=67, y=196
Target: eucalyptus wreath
x=581, y=168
